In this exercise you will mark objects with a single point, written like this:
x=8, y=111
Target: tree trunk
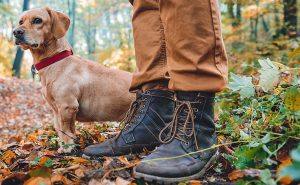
x=238, y=14
x=19, y=55
x=72, y=15
x=290, y=18
x=265, y=24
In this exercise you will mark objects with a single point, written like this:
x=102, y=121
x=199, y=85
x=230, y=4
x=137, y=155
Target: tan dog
x=75, y=88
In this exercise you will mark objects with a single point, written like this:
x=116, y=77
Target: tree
x=19, y=55
x=290, y=18
x=72, y=15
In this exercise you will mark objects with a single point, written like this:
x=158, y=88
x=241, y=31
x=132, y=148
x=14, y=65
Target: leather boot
x=186, y=152
x=151, y=111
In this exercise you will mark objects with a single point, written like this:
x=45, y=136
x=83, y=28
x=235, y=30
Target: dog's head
x=39, y=26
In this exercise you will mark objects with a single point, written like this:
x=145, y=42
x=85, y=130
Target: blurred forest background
x=101, y=30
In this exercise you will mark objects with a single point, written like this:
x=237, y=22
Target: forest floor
x=28, y=143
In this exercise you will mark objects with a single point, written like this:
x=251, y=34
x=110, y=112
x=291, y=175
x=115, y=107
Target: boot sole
x=166, y=180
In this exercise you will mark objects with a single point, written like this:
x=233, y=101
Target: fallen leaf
x=237, y=174
x=79, y=160
x=8, y=157
x=195, y=182
x=269, y=74
x=121, y=181
x=79, y=172
x=242, y=84
x=38, y=181
x=59, y=179
x=13, y=139
x=27, y=146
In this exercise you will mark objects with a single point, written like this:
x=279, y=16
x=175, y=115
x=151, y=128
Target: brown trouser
x=179, y=41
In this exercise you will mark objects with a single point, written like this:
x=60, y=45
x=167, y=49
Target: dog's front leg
x=66, y=127
x=58, y=129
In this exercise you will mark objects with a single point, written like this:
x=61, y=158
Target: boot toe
x=159, y=170
x=98, y=150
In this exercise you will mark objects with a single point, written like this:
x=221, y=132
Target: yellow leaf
x=292, y=99
x=8, y=157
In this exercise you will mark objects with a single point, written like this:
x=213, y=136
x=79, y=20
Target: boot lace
x=179, y=129
x=136, y=108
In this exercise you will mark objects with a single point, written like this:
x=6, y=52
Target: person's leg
x=149, y=44
x=154, y=105
x=198, y=68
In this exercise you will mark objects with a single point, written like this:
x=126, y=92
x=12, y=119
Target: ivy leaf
x=243, y=84
x=269, y=74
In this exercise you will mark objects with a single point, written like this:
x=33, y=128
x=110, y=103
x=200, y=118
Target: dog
x=75, y=88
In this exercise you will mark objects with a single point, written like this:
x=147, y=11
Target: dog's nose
x=18, y=32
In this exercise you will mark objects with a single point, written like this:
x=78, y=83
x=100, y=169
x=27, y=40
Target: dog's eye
x=37, y=21
x=21, y=22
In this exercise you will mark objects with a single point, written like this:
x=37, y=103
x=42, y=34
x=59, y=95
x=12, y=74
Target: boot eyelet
x=194, y=117
x=196, y=110
x=145, y=99
x=143, y=106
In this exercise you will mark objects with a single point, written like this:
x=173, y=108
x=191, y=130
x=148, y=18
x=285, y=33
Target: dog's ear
x=60, y=23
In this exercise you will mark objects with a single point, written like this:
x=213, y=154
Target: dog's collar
x=51, y=60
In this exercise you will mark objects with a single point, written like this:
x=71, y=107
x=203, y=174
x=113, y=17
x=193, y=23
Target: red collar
x=51, y=60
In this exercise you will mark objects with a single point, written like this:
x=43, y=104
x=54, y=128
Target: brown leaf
x=121, y=181
x=27, y=146
x=5, y=172
x=79, y=172
x=59, y=179
x=79, y=160
x=237, y=174
x=14, y=139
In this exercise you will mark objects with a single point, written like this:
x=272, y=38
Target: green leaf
x=242, y=84
x=48, y=163
x=246, y=157
x=269, y=74
x=266, y=177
